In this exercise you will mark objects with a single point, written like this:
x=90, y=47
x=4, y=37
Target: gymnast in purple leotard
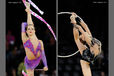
x=33, y=46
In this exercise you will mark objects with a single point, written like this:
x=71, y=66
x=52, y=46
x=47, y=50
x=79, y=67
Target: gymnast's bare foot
x=27, y=5
x=74, y=14
x=72, y=18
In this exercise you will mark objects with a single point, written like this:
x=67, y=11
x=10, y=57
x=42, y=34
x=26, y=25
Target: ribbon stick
x=40, y=18
x=39, y=69
x=41, y=12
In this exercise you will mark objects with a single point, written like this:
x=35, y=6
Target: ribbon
x=41, y=12
x=39, y=17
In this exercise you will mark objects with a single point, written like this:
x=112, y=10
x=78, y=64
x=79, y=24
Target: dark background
x=15, y=15
x=95, y=15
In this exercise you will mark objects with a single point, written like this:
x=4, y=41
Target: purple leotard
x=32, y=64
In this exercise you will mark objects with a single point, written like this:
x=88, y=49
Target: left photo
x=30, y=38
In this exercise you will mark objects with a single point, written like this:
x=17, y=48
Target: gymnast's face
x=30, y=30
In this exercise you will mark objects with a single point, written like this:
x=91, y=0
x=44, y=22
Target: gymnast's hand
x=27, y=10
x=74, y=15
x=45, y=68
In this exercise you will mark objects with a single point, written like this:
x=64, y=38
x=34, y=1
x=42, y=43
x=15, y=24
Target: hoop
x=64, y=13
x=72, y=53
x=39, y=69
x=67, y=56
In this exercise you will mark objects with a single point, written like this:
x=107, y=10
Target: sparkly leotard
x=29, y=45
x=87, y=55
x=32, y=64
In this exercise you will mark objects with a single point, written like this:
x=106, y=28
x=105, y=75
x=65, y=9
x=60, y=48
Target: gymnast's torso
x=32, y=49
x=88, y=53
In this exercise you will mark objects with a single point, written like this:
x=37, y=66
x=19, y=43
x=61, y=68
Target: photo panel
x=34, y=48
x=95, y=14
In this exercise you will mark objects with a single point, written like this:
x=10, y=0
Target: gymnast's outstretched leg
x=76, y=38
x=84, y=34
x=85, y=68
x=82, y=23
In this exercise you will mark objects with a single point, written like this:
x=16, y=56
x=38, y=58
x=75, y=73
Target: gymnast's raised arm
x=23, y=32
x=43, y=57
x=75, y=30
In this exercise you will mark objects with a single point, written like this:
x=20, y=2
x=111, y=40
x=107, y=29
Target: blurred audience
x=10, y=38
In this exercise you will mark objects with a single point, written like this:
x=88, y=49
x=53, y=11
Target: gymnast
x=34, y=48
x=89, y=47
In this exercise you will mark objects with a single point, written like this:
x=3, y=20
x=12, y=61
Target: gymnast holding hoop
x=89, y=47
x=34, y=48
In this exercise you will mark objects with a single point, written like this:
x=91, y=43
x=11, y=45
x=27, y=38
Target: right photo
x=83, y=38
